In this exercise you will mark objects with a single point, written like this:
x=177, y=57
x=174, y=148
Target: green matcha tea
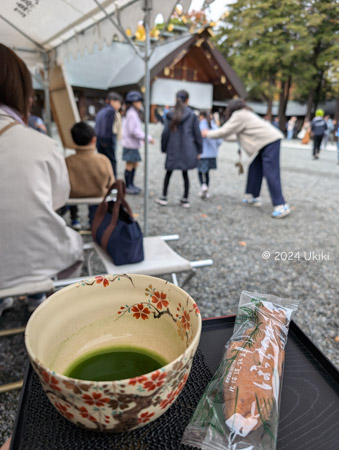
x=115, y=363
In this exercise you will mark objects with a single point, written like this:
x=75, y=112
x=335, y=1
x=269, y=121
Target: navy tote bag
x=115, y=230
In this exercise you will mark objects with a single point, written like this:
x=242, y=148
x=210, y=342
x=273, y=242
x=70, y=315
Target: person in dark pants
x=266, y=164
x=318, y=128
x=104, y=124
x=261, y=141
x=181, y=141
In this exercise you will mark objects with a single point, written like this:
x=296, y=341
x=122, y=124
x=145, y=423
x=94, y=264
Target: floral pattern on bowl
x=124, y=404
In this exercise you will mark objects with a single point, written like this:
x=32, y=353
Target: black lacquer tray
x=308, y=415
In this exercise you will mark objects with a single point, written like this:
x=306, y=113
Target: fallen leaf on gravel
x=336, y=338
x=243, y=243
x=219, y=207
x=204, y=216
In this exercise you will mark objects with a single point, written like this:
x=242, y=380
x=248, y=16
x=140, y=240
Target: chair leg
x=189, y=277
x=10, y=331
x=174, y=279
x=89, y=263
x=11, y=386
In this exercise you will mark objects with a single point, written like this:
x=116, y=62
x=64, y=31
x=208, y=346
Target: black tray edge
x=327, y=364
x=18, y=421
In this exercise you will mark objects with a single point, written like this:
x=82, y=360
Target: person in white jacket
x=35, y=242
x=261, y=141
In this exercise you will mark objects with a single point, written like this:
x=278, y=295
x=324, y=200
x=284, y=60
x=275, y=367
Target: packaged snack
x=240, y=406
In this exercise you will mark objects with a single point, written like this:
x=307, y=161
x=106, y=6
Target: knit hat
x=319, y=112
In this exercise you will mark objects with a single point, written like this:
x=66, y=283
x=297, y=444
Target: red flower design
x=63, y=410
x=157, y=380
x=140, y=311
x=103, y=280
x=84, y=413
x=196, y=309
x=168, y=400
x=159, y=299
x=134, y=381
x=50, y=380
x=145, y=417
x=185, y=320
x=95, y=399
x=181, y=384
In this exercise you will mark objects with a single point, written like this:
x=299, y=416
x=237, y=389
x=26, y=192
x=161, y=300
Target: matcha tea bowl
x=114, y=352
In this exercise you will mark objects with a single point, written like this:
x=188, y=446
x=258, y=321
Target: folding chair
x=84, y=201
x=160, y=259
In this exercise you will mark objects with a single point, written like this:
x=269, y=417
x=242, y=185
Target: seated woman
x=35, y=242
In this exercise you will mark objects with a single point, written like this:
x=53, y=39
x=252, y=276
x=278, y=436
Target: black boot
x=130, y=189
x=132, y=181
x=127, y=178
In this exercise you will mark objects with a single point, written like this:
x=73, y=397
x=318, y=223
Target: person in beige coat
x=261, y=141
x=90, y=172
x=35, y=242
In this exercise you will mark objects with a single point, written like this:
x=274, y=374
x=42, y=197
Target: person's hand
x=152, y=141
x=204, y=133
x=199, y=155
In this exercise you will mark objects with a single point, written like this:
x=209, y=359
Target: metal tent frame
x=147, y=7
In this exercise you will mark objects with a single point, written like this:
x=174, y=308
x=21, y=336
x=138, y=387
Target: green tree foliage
x=276, y=44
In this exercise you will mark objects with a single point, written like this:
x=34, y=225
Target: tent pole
x=46, y=94
x=147, y=7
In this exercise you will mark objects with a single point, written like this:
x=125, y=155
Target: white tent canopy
x=69, y=26
x=48, y=31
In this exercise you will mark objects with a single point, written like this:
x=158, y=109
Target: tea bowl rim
x=193, y=344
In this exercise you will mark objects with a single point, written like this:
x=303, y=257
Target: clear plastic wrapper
x=239, y=409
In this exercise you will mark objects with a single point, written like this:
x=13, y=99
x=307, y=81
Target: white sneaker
x=281, y=211
x=161, y=201
x=185, y=203
x=5, y=303
x=204, y=190
x=250, y=200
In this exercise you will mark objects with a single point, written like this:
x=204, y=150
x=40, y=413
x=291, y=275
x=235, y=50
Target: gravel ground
x=235, y=237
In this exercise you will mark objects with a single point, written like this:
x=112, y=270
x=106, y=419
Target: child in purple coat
x=132, y=138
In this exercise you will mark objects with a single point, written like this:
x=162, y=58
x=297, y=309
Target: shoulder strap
x=8, y=126
x=102, y=209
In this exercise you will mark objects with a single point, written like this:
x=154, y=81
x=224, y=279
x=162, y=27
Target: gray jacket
x=183, y=145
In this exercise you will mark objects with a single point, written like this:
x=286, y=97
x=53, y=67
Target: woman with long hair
x=181, y=141
x=261, y=141
x=35, y=242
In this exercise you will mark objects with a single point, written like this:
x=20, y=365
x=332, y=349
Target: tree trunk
x=317, y=95
x=337, y=113
x=283, y=99
x=269, y=100
x=309, y=105
x=281, y=112
x=269, y=108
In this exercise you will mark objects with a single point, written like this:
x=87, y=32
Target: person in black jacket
x=318, y=128
x=182, y=142
x=106, y=139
